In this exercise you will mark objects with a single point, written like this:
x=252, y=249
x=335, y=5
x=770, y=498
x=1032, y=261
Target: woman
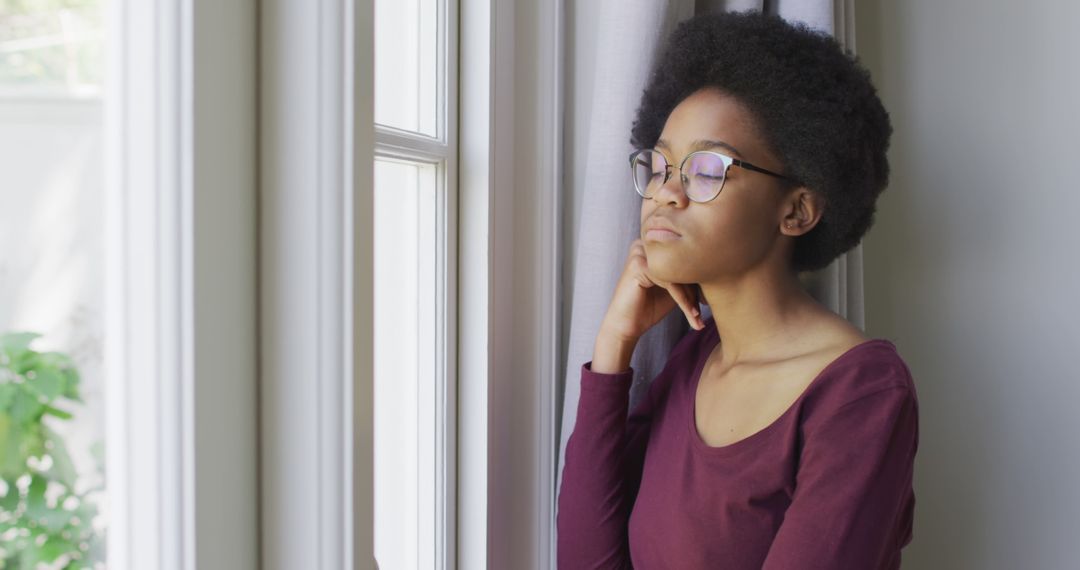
x=778, y=435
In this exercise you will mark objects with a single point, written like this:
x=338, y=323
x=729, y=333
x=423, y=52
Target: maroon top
x=828, y=485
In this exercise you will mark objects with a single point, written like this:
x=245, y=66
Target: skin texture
x=814, y=104
x=733, y=253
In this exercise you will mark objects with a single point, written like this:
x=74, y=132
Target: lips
x=659, y=229
x=660, y=224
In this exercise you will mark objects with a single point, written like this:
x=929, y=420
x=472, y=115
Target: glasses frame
x=727, y=160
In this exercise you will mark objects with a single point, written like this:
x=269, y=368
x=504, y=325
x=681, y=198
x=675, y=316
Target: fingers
x=637, y=257
x=684, y=297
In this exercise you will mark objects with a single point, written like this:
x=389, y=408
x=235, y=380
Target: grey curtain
x=613, y=45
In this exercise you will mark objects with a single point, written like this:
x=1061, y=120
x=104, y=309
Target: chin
x=666, y=264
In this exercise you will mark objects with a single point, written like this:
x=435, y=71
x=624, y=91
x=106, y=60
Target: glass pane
x=52, y=495
x=406, y=383
x=51, y=47
x=408, y=91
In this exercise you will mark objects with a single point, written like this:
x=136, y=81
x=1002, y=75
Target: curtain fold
x=630, y=31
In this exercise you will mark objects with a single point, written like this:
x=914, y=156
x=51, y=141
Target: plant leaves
x=49, y=382
x=7, y=393
x=23, y=362
x=10, y=501
x=25, y=408
x=54, y=547
x=55, y=520
x=12, y=460
x=57, y=360
x=46, y=377
x=14, y=342
x=63, y=470
x=71, y=384
x=57, y=412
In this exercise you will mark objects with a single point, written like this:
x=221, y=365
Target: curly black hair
x=810, y=99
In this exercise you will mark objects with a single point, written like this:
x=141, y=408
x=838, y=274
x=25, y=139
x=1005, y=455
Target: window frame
x=181, y=319
x=316, y=311
x=506, y=373
x=511, y=254
x=441, y=151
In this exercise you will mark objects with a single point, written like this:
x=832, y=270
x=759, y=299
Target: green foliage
x=42, y=516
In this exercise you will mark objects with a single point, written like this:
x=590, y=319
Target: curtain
x=617, y=42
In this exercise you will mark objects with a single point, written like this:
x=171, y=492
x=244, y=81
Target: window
x=53, y=507
x=415, y=184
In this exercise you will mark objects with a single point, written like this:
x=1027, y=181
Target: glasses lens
x=649, y=167
x=706, y=176
x=702, y=178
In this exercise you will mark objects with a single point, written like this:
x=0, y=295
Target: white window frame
x=510, y=303
x=315, y=299
x=317, y=141
x=180, y=354
x=441, y=151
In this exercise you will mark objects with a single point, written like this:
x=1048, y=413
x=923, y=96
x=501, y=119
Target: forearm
x=592, y=506
x=611, y=353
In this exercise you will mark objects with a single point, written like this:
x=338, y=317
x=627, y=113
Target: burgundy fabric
x=828, y=485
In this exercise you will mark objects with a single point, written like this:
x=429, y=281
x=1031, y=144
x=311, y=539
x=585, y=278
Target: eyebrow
x=702, y=145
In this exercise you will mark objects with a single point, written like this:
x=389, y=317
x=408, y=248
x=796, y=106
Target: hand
x=641, y=300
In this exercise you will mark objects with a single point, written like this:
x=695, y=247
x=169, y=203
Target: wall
x=971, y=268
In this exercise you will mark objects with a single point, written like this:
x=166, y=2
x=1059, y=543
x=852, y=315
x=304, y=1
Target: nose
x=671, y=191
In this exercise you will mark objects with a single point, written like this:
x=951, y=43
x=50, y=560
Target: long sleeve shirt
x=827, y=486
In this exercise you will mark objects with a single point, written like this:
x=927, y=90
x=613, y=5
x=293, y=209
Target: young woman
x=778, y=435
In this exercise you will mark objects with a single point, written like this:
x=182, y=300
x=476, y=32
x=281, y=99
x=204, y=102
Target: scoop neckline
x=750, y=441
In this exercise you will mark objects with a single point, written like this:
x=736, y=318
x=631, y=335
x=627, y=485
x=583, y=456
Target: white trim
x=509, y=283
x=393, y=142
x=180, y=325
x=446, y=404
x=475, y=243
x=447, y=495
x=316, y=146
x=437, y=313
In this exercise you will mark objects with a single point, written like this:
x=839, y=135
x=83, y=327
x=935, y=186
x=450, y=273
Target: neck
x=758, y=313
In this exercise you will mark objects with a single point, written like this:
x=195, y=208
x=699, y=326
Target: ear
x=800, y=211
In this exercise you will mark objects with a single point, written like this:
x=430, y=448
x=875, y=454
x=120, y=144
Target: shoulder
x=868, y=368
x=850, y=364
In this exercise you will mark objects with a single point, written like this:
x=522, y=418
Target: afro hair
x=812, y=102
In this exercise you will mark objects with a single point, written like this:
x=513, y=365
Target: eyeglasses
x=702, y=172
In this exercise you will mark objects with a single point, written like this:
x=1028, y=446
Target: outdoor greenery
x=43, y=518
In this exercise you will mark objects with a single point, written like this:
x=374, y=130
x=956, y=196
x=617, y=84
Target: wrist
x=612, y=353
x=616, y=334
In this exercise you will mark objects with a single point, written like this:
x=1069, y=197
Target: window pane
x=407, y=86
x=51, y=47
x=52, y=398
x=406, y=383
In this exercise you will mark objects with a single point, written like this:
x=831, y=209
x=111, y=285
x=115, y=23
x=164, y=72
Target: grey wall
x=971, y=267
